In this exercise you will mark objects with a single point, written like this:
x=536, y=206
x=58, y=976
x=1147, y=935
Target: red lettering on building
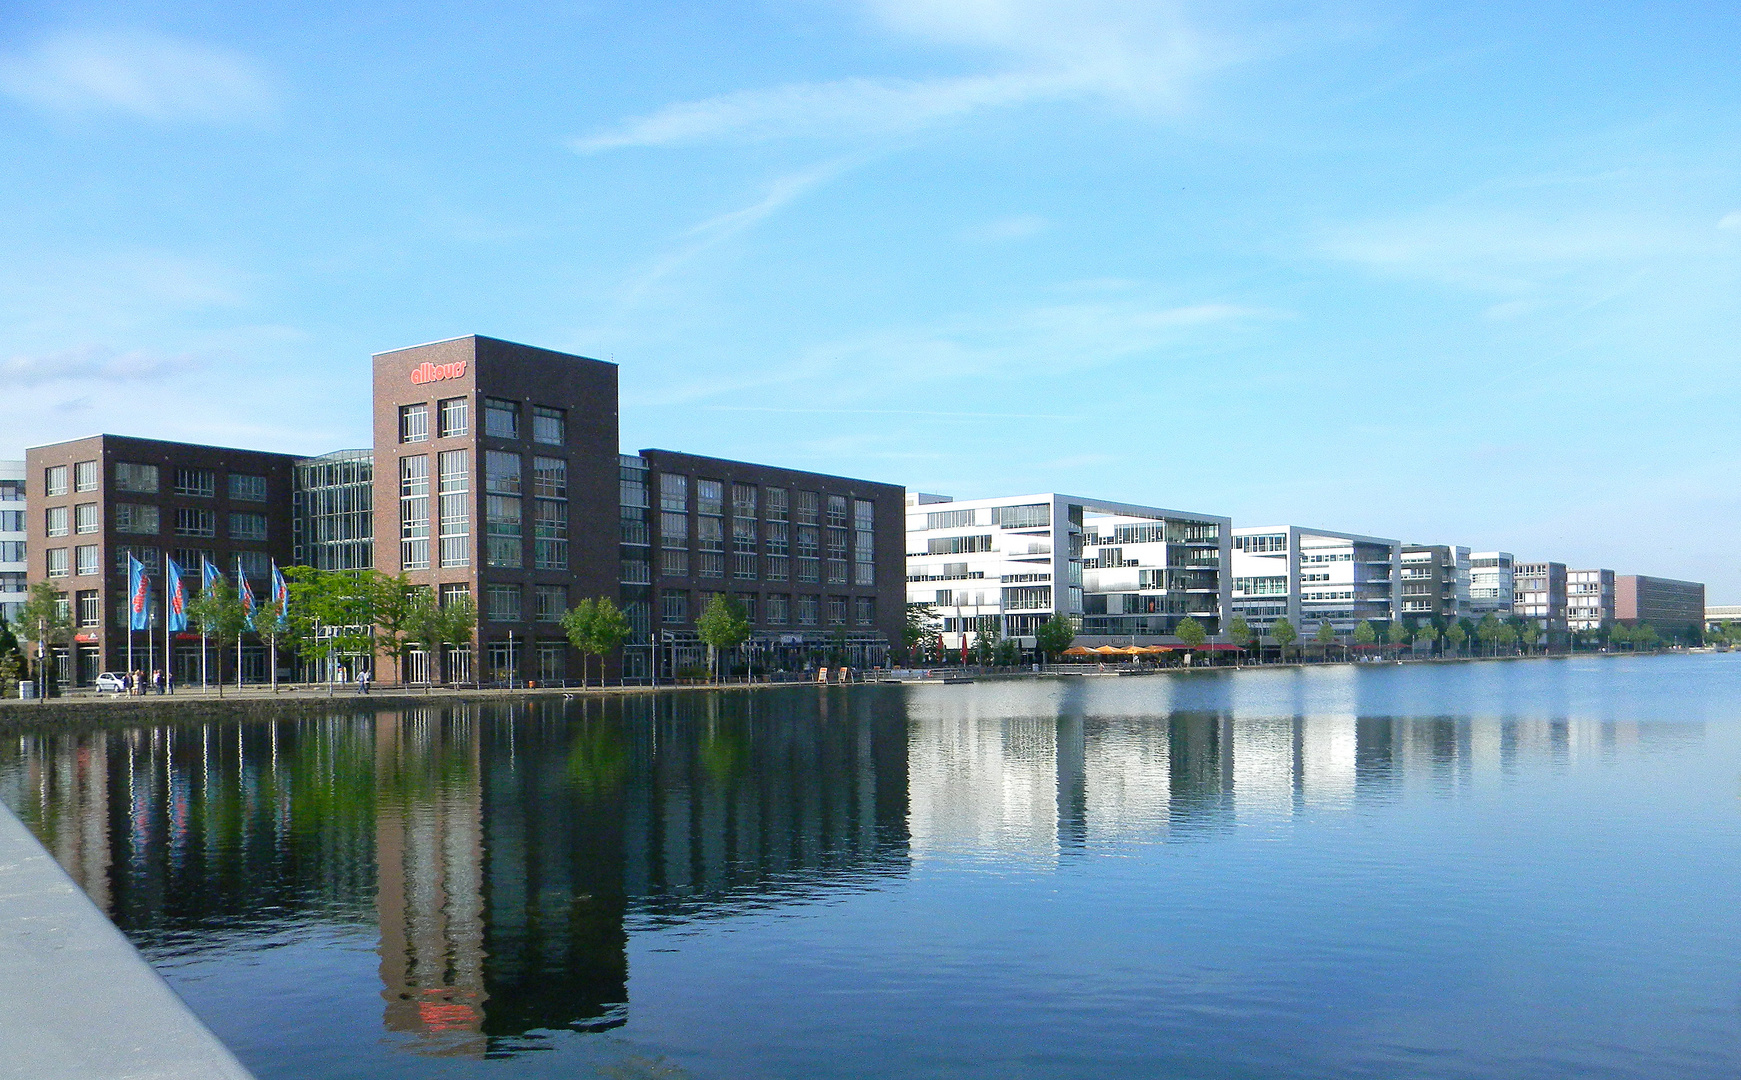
x=427, y=372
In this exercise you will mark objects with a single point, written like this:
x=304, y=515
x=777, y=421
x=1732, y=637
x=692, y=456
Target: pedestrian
x=127, y=682
x=169, y=681
x=157, y=680
x=363, y=681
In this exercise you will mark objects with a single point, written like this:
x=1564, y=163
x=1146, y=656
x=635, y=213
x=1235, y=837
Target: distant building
x=1722, y=615
x=1435, y=581
x=14, y=572
x=1490, y=583
x=1007, y=565
x=1673, y=607
x=1539, y=593
x=1589, y=600
x=1313, y=576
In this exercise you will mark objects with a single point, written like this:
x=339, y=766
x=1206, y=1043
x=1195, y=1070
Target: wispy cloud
x=1140, y=55
x=1731, y=220
x=1019, y=227
x=93, y=362
x=148, y=75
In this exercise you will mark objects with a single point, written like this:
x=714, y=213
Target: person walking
x=157, y=680
x=363, y=681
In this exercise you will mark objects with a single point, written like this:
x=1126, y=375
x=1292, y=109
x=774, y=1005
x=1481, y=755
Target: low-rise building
x=1722, y=615
x=1490, y=583
x=1589, y=600
x=1538, y=592
x=1674, y=607
x=1435, y=581
x=1313, y=576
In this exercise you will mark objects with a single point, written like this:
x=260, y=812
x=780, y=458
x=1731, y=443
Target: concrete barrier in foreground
x=76, y=999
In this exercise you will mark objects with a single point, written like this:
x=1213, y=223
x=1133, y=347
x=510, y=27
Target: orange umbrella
x=1110, y=650
x=1078, y=650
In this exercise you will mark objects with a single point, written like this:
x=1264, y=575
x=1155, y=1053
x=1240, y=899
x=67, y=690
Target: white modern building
x=1490, y=583
x=1589, y=600
x=1129, y=573
x=1539, y=593
x=12, y=565
x=1313, y=576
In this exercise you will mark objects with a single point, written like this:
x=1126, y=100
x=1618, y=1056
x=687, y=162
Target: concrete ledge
x=76, y=999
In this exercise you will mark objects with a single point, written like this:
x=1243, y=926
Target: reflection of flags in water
x=246, y=591
x=280, y=596
x=176, y=594
x=138, y=595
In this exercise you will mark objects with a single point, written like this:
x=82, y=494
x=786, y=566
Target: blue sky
x=1451, y=273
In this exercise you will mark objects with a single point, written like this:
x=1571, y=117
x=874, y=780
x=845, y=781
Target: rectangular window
x=957, y=545
x=747, y=600
x=503, y=526
x=837, y=571
x=837, y=611
x=1027, y=516
x=453, y=417
x=55, y=520
x=778, y=539
x=550, y=478
x=191, y=522
x=453, y=469
x=864, y=515
x=11, y=521
x=551, y=602
x=414, y=423
x=710, y=533
x=147, y=556
x=189, y=560
x=196, y=483
x=57, y=562
x=414, y=512
x=709, y=497
x=673, y=530
x=743, y=535
x=550, y=534
x=549, y=426
x=743, y=500
x=863, y=558
x=134, y=518
x=779, y=608
x=837, y=511
x=807, y=509
x=809, y=571
x=245, y=488
x=635, y=531
x=674, y=608
x=501, y=473
x=674, y=492
x=504, y=602
x=90, y=607
x=85, y=475
x=247, y=526
x=743, y=567
x=11, y=551
x=949, y=519
x=85, y=563
x=779, y=568
x=454, y=592
x=775, y=499
x=809, y=541
x=807, y=609
x=635, y=572
x=13, y=581
x=1266, y=543
x=709, y=565
x=501, y=418
x=136, y=478
x=674, y=563
x=54, y=480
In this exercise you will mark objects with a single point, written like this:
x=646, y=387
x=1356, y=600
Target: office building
x=14, y=572
x=1491, y=586
x=1675, y=608
x=1435, y=581
x=1538, y=592
x=1722, y=615
x=1313, y=576
x=334, y=515
x=1006, y=565
x=1589, y=600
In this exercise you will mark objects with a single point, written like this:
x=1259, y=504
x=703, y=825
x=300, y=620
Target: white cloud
x=92, y=362
x=1135, y=54
x=142, y=74
x=1019, y=227
x=1731, y=220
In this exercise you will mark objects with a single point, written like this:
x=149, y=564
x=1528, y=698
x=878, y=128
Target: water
x=1479, y=870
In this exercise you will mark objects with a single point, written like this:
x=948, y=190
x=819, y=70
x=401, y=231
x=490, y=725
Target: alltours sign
x=427, y=372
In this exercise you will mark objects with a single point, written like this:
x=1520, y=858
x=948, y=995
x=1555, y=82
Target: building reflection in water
x=504, y=854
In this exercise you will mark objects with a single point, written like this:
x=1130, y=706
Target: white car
x=112, y=681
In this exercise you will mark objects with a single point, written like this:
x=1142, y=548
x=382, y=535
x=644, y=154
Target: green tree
x=1365, y=633
x=1529, y=633
x=985, y=644
x=1006, y=653
x=1487, y=631
x=332, y=612
x=1239, y=632
x=46, y=618
x=920, y=627
x=219, y=615
x=391, y=604
x=273, y=623
x=1646, y=635
x=1285, y=635
x=1324, y=635
x=1505, y=637
x=1396, y=633
x=424, y=627
x=8, y=640
x=724, y=625
x=459, y=621
x=1456, y=634
x=1191, y=632
x=1055, y=635
x=1428, y=632
x=596, y=628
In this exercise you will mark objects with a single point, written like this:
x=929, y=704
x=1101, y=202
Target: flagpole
x=168, y=635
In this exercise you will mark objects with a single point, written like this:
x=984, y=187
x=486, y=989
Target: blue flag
x=177, y=595
x=209, y=574
x=280, y=596
x=247, y=593
x=138, y=595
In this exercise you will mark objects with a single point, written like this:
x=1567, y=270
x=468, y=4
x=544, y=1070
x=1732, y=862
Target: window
x=809, y=571
x=452, y=415
x=503, y=528
x=90, y=607
x=1027, y=598
x=778, y=608
x=501, y=418
x=673, y=608
x=453, y=495
x=136, y=478
x=85, y=476
x=552, y=661
x=196, y=483
x=54, y=480
x=635, y=572
x=743, y=500
x=501, y=473
x=1026, y=516
x=57, y=562
x=454, y=592
x=806, y=511
x=414, y=423
x=55, y=519
x=674, y=563
x=550, y=534
x=635, y=531
x=864, y=515
x=246, y=488
x=12, y=490
x=837, y=511
x=807, y=610
x=147, y=556
x=949, y=519
x=778, y=540
x=549, y=425
x=710, y=533
x=673, y=530
x=247, y=526
x=1263, y=586
x=1257, y=545
x=134, y=518
x=709, y=497
x=957, y=545
x=85, y=563
x=674, y=492
x=191, y=522
x=776, y=503
x=14, y=581
x=550, y=478
x=414, y=512
x=747, y=601
x=549, y=602
x=837, y=611
x=11, y=521
x=504, y=602
x=11, y=551
x=779, y=568
x=945, y=598
x=809, y=539
x=189, y=560
x=709, y=565
x=743, y=567
x=864, y=558
x=837, y=571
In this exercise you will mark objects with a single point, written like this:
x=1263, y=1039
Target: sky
x=1451, y=273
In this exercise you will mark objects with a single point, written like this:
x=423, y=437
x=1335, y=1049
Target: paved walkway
x=76, y=999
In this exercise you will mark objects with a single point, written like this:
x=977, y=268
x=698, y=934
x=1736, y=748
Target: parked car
x=112, y=681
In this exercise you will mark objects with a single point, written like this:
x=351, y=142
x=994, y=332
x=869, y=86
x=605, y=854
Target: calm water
x=1482, y=870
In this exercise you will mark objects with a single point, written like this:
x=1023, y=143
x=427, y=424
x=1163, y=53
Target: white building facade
x=1312, y=576
x=1128, y=573
x=1589, y=600
x=13, y=592
x=1491, y=583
